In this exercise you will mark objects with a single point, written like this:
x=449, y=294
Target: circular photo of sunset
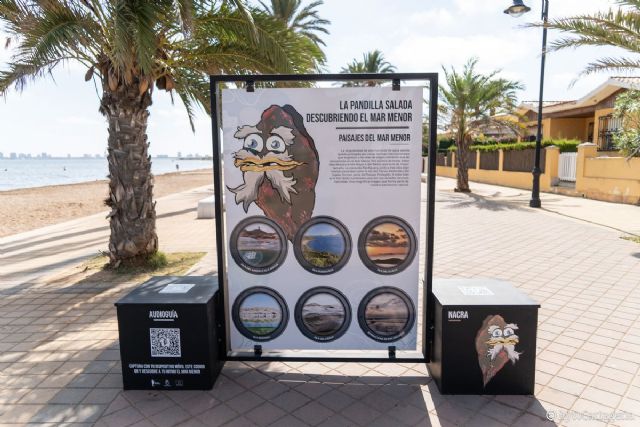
x=387, y=245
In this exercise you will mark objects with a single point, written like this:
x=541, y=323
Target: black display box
x=168, y=336
x=484, y=339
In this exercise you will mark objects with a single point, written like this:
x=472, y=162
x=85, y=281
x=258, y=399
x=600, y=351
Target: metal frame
x=428, y=300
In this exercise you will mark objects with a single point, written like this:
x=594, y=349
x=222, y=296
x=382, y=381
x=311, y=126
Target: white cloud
x=440, y=17
x=429, y=53
x=573, y=85
x=484, y=7
x=81, y=121
x=578, y=7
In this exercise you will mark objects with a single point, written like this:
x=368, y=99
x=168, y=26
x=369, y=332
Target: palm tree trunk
x=132, y=216
x=462, y=177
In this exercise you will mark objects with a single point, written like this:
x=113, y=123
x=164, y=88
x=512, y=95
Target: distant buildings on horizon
x=44, y=155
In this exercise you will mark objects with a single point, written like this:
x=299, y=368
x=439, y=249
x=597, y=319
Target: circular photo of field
x=323, y=314
x=258, y=245
x=260, y=314
x=322, y=245
x=387, y=245
x=386, y=314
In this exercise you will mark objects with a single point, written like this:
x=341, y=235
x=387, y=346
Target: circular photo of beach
x=322, y=245
x=386, y=314
x=260, y=314
x=323, y=314
x=258, y=245
x=387, y=245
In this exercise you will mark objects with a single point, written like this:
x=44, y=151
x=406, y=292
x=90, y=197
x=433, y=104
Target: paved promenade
x=31, y=256
x=59, y=360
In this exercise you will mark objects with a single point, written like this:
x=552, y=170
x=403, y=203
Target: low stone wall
x=612, y=179
x=489, y=169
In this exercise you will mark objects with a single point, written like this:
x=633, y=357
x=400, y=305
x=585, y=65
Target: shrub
x=565, y=146
x=445, y=143
x=157, y=260
x=627, y=108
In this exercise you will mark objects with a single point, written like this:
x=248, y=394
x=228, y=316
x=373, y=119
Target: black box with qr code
x=168, y=336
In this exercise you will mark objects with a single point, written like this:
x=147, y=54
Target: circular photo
x=322, y=245
x=386, y=314
x=323, y=314
x=258, y=245
x=387, y=245
x=260, y=314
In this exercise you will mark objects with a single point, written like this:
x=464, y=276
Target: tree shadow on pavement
x=467, y=200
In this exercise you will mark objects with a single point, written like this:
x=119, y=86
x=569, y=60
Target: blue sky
x=415, y=35
x=259, y=299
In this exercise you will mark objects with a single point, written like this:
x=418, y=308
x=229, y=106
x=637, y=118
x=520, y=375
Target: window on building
x=607, y=127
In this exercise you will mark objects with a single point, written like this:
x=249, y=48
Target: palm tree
x=372, y=62
x=617, y=28
x=471, y=100
x=128, y=46
x=305, y=21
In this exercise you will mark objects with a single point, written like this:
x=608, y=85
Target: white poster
x=322, y=199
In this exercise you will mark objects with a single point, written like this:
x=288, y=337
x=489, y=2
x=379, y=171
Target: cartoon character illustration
x=495, y=344
x=279, y=164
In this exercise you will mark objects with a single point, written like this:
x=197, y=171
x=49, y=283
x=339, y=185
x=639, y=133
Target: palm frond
x=619, y=28
x=305, y=20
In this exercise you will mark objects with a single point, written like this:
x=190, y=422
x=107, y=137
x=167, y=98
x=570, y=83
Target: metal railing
x=608, y=126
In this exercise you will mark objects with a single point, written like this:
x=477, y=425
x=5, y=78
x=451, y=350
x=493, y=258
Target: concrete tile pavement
x=59, y=349
x=621, y=217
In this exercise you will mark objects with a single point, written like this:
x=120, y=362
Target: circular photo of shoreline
x=387, y=245
x=260, y=313
x=386, y=314
x=323, y=314
x=322, y=245
x=258, y=245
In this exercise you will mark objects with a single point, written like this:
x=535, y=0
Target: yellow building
x=589, y=119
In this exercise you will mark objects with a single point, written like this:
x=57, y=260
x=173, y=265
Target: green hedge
x=565, y=146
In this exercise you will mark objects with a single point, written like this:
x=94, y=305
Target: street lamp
x=518, y=9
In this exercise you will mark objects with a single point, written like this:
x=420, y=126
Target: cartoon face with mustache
x=495, y=344
x=279, y=165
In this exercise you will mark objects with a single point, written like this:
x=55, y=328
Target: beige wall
x=565, y=128
x=568, y=128
x=546, y=129
x=614, y=179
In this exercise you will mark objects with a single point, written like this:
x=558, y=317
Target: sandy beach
x=30, y=208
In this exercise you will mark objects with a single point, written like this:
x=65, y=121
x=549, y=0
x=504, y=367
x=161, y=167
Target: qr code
x=165, y=342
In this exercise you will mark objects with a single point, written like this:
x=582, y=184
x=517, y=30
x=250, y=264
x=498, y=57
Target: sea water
x=28, y=173
x=332, y=244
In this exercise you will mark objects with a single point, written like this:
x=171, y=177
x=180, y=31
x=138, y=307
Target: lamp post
x=518, y=8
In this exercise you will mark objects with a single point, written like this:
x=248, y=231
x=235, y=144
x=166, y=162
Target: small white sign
x=475, y=290
x=177, y=288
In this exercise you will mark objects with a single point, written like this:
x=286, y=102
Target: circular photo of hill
x=258, y=245
x=387, y=245
x=260, y=314
x=323, y=314
x=386, y=314
x=322, y=245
